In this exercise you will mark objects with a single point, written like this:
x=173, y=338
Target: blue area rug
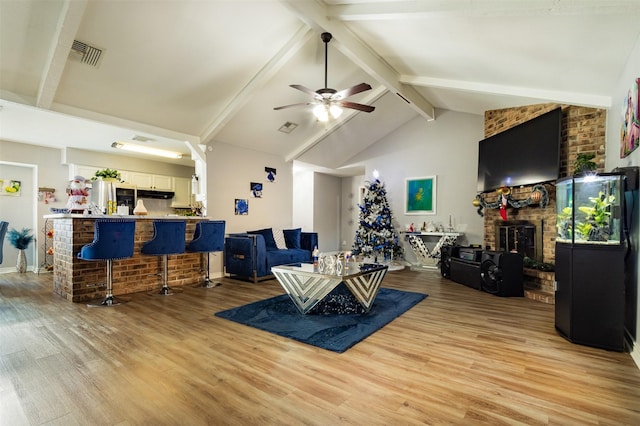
x=334, y=332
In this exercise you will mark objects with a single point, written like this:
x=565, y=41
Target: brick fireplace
x=583, y=131
x=522, y=236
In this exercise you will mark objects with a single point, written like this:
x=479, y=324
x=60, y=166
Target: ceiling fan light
x=335, y=110
x=321, y=112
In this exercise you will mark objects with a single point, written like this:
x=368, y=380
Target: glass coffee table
x=307, y=287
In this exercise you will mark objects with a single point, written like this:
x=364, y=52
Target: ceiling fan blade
x=305, y=90
x=359, y=107
x=293, y=105
x=351, y=91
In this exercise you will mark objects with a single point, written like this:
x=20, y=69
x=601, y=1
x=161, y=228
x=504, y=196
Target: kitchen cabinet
x=182, y=191
x=149, y=181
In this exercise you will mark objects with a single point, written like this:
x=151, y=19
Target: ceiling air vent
x=85, y=53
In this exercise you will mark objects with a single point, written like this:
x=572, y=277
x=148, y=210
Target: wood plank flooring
x=458, y=357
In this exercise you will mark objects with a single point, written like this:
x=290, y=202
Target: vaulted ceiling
x=187, y=73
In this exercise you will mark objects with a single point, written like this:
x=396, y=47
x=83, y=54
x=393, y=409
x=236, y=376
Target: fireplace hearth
x=521, y=236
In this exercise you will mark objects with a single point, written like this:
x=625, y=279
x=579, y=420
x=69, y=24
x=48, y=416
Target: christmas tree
x=376, y=236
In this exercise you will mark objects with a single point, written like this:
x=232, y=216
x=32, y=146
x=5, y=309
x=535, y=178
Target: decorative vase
x=140, y=209
x=21, y=264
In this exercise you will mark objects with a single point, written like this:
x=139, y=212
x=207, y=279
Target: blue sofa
x=250, y=255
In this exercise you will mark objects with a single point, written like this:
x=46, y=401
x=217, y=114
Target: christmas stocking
x=503, y=208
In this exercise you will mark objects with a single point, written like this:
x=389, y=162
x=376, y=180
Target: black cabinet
x=590, y=295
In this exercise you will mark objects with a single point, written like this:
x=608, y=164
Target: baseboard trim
x=634, y=350
x=635, y=356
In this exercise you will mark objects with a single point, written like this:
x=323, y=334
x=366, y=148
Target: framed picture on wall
x=10, y=187
x=241, y=207
x=420, y=195
x=630, y=131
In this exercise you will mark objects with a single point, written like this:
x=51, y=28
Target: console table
x=428, y=258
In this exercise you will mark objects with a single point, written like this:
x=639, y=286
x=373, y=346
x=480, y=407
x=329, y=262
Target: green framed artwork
x=420, y=195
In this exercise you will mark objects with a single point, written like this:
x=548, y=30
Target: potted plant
x=107, y=174
x=20, y=240
x=584, y=164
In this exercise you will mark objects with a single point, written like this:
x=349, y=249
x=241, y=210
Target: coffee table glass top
x=352, y=269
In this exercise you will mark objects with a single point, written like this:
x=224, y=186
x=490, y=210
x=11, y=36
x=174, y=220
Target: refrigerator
x=107, y=196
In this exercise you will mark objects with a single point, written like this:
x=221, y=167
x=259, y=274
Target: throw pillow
x=278, y=235
x=292, y=238
x=269, y=241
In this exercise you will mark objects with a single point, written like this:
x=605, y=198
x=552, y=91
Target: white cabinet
x=149, y=181
x=163, y=183
x=125, y=177
x=182, y=190
x=141, y=180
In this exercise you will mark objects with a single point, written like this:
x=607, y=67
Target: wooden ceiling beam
x=66, y=30
x=572, y=98
x=316, y=15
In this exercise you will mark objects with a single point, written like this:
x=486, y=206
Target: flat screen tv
x=526, y=154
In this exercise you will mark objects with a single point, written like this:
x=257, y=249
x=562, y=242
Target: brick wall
x=80, y=280
x=583, y=131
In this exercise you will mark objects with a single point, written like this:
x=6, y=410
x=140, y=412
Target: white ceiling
x=200, y=71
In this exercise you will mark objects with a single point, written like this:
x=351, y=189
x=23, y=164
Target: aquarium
x=589, y=209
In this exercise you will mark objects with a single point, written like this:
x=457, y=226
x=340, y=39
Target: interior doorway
x=18, y=206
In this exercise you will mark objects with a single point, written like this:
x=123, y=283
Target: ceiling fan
x=329, y=102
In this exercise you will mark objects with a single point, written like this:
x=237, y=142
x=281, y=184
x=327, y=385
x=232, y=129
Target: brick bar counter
x=81, y=281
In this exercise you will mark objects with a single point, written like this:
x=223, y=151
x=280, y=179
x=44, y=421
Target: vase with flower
x=20, y=240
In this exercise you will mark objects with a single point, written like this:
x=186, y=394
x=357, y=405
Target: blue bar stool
x=208, y=237
x=112, y=240
x=168, y=238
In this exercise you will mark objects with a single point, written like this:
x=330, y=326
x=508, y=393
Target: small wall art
x=241, y=207
x=271, y=174
x=10, y=187
x=420, y=195
x=256, y=189
x=630, y=130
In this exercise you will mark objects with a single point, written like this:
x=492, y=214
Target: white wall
x=446, y=148
x=122, y=162
x=45, y=162
x=326, y=207
x=302, y=216
x=18, y=211
x=230, y=171
x=350, y=213
x=614, y=122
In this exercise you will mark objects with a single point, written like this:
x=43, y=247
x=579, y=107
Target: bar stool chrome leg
x=109, y=299
x=208, y=282
x=165, y=290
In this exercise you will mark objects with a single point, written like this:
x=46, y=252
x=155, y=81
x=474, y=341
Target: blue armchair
x=251, y=255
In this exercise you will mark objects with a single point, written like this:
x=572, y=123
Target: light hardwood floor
x=458, y=357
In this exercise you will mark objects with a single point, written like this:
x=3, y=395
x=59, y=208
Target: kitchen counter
x=80, y=281
x=118, y=216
